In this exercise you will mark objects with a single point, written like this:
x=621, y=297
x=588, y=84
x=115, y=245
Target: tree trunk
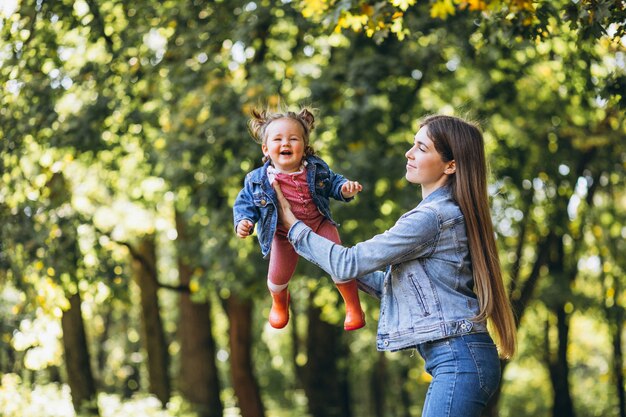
x=618, y=364
x=559, y=369
x=54, y=374
x=615, y=318
x=240, y=333
x=405, y=395
x=326, y=384
x=7, y=354
x=520, y=302
x=299, y=346
x=379, y=386
x=77, y=362
x=198, y=379
x=145, y=272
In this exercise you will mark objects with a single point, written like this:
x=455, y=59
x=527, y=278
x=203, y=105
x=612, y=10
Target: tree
x=525, y=18
x=139, y=110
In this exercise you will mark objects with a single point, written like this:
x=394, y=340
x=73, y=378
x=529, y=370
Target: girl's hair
x=458, y=140
x=261, y=119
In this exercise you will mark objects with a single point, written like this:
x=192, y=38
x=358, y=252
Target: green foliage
x=515, y=18
x=126, y=119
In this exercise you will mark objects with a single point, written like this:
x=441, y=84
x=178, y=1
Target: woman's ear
x=451, y=168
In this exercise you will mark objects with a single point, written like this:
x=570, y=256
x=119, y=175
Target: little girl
x=308, y=183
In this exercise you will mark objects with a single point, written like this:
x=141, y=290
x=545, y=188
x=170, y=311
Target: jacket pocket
x=485, y=356
x=419, y=295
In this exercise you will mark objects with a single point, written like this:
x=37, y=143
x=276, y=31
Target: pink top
x=295, y=188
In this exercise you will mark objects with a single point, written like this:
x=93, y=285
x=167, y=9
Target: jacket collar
x=445, y=191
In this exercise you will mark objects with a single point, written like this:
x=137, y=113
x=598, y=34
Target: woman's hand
x=285, y=215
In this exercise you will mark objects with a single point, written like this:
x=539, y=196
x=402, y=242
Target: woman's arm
x=413, y=235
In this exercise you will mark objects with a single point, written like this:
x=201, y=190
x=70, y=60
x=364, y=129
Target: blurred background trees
x=123, y=143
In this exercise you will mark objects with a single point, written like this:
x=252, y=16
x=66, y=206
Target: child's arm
x=245, y=213
x=350, y=188
x=343, y=189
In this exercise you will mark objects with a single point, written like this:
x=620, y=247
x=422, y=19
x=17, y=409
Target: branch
x=145, y=263
x=515, y=268
x=519, y=304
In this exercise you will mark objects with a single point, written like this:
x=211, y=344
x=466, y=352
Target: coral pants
x=283, y=257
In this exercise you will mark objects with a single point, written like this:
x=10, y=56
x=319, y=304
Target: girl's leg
x=355, y=318
x=466, y=373
x=283, y=261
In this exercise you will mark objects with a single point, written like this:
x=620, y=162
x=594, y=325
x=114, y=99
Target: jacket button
x=386, y=343
x=263, y=202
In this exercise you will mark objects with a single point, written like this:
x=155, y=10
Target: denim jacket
x=257, y=200
x=426, y=291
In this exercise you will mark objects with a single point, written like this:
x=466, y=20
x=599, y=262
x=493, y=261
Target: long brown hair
x=261, y=119
x=461, y=141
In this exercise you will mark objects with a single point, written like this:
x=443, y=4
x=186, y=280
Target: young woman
x=442, y=280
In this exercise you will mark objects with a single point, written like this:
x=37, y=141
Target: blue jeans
x=466, y=373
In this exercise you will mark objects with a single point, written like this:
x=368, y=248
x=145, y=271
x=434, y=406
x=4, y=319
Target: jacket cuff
x=296, y=230
x=346, y=200
x=339, y=194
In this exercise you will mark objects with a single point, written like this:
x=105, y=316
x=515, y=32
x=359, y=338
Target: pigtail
x=307, y=118
x=256, y=125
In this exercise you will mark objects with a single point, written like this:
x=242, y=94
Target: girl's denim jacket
x=426, y=292
x=257, y=200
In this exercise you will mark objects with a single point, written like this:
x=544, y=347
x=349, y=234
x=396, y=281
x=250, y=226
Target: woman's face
x=424, y=164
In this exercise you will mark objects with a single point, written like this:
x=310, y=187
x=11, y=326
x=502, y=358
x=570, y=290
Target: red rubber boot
x=279, y=315
x=355, y=318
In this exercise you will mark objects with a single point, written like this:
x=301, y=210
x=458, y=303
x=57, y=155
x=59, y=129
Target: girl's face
x=284, y=144
x=424, y=164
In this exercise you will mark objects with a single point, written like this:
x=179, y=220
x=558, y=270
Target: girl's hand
x=244, y=228
x=285, y=215
x=350, y=189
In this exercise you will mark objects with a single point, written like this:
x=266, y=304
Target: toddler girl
x=308, y=183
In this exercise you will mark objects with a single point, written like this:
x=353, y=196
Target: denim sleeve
x=372, y=283
x=244, y=207
x=336, y=181
x=414, y=235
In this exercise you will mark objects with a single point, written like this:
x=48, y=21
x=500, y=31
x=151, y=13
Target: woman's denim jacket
x=257, y=200
x=426, y=290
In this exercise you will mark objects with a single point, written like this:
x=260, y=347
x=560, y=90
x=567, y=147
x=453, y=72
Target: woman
x=442, y=279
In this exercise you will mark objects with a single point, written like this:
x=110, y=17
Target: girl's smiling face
x=424, y=164
x=284, y=144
